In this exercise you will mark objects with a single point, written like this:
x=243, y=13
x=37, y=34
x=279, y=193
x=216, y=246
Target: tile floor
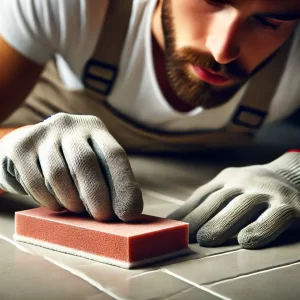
x=227, y=272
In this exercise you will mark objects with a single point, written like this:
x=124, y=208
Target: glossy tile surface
x=234, y=264
x=281, y=283
x=26, y=276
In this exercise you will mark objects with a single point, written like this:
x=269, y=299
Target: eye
x=217, y=2
x=266, y=23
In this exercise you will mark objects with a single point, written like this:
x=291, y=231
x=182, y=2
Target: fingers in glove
x=88, y=178
x=270, y=225
x=208, y=209
x=9, y=176
x=58, y=179
x=125, y=194
x=196, y=199
x=34, y=184
x=230, y=220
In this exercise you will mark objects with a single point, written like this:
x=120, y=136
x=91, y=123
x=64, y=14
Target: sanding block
x=127, y=245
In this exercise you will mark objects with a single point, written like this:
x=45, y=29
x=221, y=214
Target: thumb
x=195, y=200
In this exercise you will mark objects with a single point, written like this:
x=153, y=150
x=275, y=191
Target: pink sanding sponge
x=126, y=245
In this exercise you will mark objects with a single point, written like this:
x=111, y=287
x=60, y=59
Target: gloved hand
x=258, y=203
x=72, y=162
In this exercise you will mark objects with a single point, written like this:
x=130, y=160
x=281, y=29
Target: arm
x=18, y=75
x=3, y=132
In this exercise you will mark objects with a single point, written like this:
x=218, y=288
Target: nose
x=223, y=40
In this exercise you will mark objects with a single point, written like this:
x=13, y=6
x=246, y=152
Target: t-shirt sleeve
x=40, y=28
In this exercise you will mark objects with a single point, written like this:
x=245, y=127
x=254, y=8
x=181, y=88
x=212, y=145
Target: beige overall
x=50, y=96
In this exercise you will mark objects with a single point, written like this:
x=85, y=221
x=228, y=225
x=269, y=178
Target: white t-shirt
x=69, y=29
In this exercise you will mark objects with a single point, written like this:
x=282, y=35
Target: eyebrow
x=281, y=16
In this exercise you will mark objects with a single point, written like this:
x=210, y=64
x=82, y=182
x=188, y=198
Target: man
x=182, y=76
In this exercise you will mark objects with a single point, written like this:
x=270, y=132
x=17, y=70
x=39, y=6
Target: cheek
x=268, y=41
x=191, y=21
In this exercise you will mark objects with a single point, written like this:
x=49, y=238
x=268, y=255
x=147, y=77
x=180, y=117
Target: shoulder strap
x=259, y=94
x=101, y=71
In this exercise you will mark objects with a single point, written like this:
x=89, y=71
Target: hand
x=258, y=203
x=72, y=162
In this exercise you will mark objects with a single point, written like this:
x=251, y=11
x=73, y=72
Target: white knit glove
x=72, y=162
x=265, y=196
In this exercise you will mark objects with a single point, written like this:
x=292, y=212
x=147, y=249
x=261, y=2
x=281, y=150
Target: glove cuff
x=287, y=166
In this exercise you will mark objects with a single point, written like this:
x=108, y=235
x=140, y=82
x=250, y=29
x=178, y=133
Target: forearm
x=3, y=132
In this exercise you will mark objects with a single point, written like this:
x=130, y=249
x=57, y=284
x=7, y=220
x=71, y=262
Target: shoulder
x=38, y=29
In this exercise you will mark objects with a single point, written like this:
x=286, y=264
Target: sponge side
x=123, y=244
x=157, y=243
x=79, y=238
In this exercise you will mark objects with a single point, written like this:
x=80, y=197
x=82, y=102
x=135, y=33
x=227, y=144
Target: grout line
x=203, y=288
x=178, y=294
x=145, y=273
x=163, y=197
x=218, y=254
x=83, y=277
x=246, y=275
x=182, y=188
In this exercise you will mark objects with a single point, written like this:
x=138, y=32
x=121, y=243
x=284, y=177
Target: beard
x=190, y=89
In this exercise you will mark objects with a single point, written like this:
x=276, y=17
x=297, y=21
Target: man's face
x=213, y=46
